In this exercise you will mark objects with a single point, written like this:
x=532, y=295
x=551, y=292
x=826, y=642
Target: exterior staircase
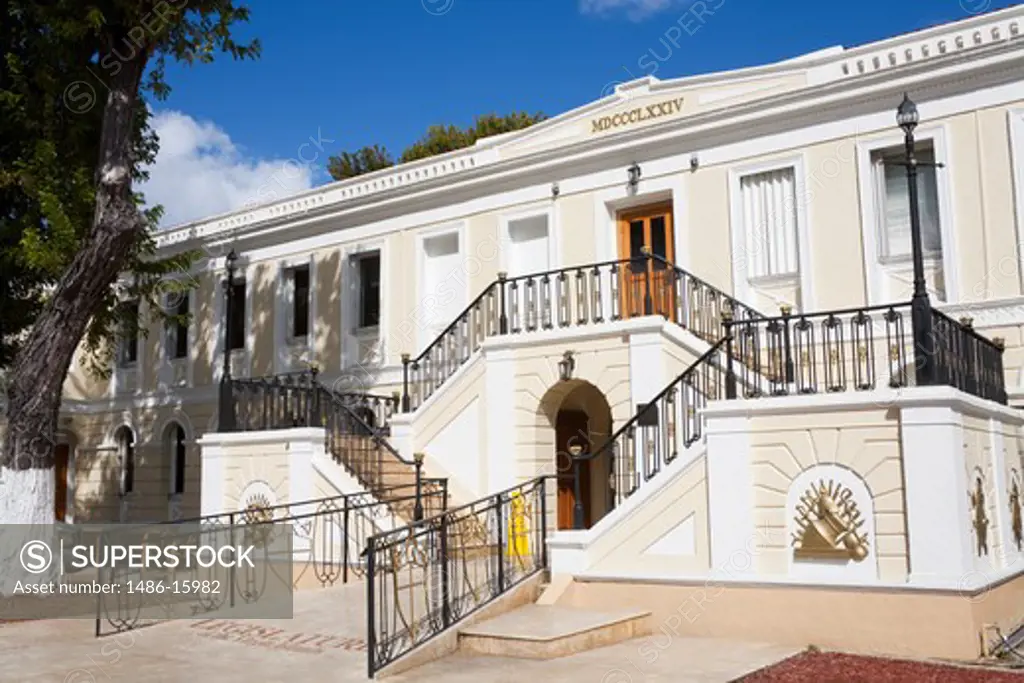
x=356, y=427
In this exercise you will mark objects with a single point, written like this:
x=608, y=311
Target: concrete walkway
x=325, y=641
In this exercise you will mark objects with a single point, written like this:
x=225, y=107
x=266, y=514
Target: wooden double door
x=647, y=227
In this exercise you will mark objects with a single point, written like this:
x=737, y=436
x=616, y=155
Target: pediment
x=642, y=104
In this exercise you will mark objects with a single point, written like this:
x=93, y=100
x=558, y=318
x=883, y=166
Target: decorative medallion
x=828, y=523
x=1015, y=520
x=257, y=519
x=980, y=521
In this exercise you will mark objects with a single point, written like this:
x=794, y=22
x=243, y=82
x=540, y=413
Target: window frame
x=877, y=273
x=878, y=157
x=357, y=260
x=292, y=302
x=133, y=341
x=792, y=275
x=173, y=330
x=743, y=285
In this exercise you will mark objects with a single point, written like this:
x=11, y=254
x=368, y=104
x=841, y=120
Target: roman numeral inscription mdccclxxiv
x=638, y=115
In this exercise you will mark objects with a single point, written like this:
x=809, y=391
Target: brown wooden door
x=61, y=454
x=572, y=428
x=651, y=227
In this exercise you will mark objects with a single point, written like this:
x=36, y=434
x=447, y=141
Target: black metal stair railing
x=374, y=409
x=966, y=360
x=694, y=304
x=300, y=400
x=423, y=578
x=855, y=349
x=860, y=349
x=575, y=296
x=660, y=430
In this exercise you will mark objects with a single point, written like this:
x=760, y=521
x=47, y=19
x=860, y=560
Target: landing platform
x=548, y=631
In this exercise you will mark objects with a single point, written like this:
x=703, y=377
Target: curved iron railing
x=328, y=536
x=423, y=578
x=300, y=400
x=655, y=436
x=574, y=296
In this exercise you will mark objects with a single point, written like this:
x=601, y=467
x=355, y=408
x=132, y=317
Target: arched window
x=175, y=447
x=126, y=456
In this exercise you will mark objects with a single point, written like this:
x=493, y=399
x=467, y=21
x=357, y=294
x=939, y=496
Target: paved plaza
x=326, y=641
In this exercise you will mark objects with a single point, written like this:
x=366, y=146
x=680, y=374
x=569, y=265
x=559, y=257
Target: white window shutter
x=770, y=223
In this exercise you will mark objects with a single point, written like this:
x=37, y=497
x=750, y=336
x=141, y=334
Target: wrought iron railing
x=568, y=297
x=695, y=304
x=966, y=360
x=375, y=410
x=300, y=400
x=856, y=349
x=654, y=437
x=862, y=349
x=425, y=577
x=328, y=539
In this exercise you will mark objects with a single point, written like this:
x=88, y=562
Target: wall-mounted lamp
x=566, y=366
x=694, y=162
x=555, y=190
x=634, y=177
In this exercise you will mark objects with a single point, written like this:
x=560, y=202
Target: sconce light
x=694, y=162
x=555, y=190
x=634, y=176
x=566, y=366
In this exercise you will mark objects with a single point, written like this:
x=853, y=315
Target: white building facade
x=704, y=284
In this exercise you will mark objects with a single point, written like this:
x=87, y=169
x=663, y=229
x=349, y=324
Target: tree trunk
x=36, y=378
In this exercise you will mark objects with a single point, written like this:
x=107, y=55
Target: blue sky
x=350, y=73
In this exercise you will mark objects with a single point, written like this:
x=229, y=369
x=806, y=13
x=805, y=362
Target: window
x=236, y=324
x=128, y=349
x=368, y=289
x=893, y=203
x=529, y=249
x=176, y=450
x=300, y=302
x=177, y=330
x=769, y=215
x=126, y=457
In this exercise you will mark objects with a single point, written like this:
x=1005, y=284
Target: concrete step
x=550, y=631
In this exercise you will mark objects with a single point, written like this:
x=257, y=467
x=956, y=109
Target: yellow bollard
x=518, y=530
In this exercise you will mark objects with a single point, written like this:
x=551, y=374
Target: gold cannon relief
x=828, y=524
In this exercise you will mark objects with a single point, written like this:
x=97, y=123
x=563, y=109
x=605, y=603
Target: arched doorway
x=175, y=447
x=581, y=419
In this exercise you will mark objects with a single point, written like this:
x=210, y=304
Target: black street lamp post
x=921, y=309
x=227, y=409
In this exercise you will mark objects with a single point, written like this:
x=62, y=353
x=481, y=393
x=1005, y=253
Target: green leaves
x=58, y=61
x=437, y=140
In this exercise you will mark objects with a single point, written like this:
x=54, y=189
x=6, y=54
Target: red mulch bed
x=832, y=667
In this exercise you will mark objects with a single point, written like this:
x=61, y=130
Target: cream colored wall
x=710, y=242
x=979, y=464
x=97, y=468
x=627, y=547
x=866, y=442
x=576, y=220
x=245, y=463
x=603, y=363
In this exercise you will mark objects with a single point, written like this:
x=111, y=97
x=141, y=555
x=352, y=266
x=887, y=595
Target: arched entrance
x=581, y=418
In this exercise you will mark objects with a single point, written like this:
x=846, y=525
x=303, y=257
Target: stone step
x=550, y=631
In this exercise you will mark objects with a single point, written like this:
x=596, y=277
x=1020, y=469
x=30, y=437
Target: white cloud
x=200, y=172
x=634, y=9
